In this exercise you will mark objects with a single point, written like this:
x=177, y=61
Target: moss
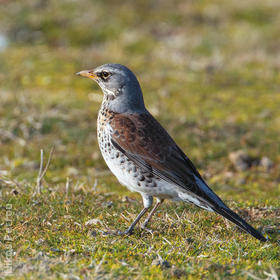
x=209, y=72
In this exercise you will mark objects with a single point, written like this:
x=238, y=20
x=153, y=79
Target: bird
x=141, y=153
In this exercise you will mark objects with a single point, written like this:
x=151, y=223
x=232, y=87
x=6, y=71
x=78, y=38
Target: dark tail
x=233, y=217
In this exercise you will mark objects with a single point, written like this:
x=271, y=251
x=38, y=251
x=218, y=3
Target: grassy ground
x=210, y=73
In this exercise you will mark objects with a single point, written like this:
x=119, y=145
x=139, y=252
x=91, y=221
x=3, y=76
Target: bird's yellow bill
x=87, y=74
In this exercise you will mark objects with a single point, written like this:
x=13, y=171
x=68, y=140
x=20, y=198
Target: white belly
x=130, y=175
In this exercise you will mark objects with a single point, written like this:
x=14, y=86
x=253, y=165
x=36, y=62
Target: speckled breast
x=128, y=174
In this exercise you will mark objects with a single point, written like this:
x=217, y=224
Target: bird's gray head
x=122, y=92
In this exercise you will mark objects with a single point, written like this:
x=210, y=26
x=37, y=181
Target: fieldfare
x=142, y=155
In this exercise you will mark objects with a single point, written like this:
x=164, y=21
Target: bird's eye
x=105, y=75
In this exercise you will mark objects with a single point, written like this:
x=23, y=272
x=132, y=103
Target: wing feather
x=145, y=142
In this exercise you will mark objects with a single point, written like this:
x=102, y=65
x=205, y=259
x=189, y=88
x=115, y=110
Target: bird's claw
x=117, y=232
x=126, y=232
x=107, y=232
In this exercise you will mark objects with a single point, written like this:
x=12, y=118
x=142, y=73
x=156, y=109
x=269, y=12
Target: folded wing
x=145, y=142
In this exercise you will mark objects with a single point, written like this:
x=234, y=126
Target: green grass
x=209, y=71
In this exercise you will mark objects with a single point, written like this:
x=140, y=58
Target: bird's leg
x=159, y=202
x=148, y=202
x=131, y=227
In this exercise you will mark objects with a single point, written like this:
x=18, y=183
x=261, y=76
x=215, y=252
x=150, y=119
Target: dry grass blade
x=42, y=170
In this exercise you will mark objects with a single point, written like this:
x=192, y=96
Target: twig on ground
x=42, y=170
x=67, y=185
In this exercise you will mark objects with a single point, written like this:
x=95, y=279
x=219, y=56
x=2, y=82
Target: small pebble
x=266, y=162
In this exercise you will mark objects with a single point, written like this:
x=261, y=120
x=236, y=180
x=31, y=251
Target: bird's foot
x=117, y=232
x=126, y=232
x=110, y=232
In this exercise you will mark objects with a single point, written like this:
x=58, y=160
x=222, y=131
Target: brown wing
x=144, y=141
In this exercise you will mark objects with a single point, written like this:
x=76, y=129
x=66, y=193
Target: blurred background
x=209, y=71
